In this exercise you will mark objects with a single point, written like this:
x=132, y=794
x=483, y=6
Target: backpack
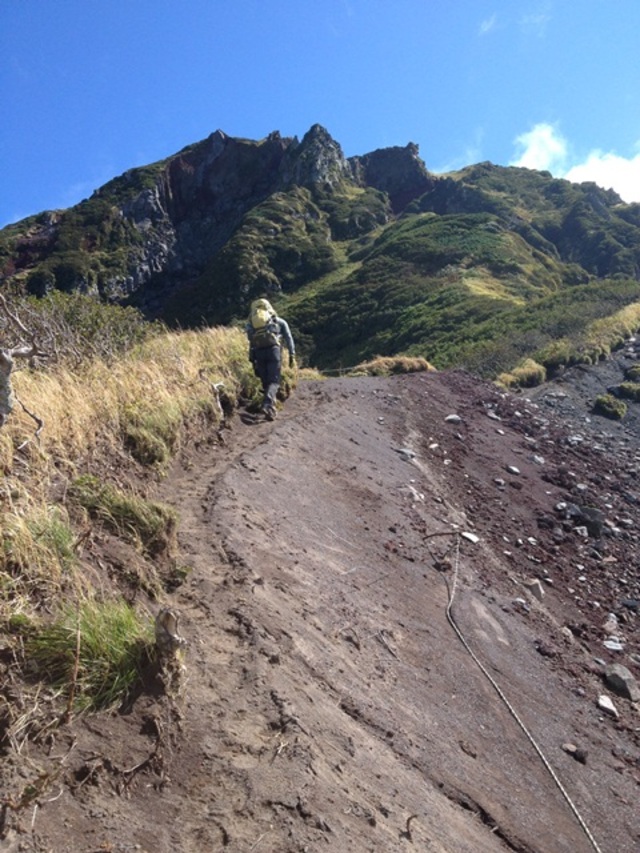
x=266, y=330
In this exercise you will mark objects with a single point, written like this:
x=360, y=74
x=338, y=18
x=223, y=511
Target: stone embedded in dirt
x=611, y=626
x=605, y=704
x=583, y=518
x=512, y=469
x=536, y=589
x=453, y=419
x=415, y=494
x=471, y=537
x=620, y=680
x=407, y=452
x=574, y=440
x=567, y=633
x=545, y=649
x=575, y=752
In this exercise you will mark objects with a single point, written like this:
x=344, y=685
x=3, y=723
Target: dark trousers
x=267, y=365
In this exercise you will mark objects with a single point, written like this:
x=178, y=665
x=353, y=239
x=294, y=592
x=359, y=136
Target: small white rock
x=605, y=704
x=535, y=588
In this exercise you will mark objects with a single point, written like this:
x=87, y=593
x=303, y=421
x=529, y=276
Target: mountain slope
x=366, y=255
x=325, y=699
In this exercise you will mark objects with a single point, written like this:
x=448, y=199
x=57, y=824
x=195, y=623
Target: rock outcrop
x=162, y=225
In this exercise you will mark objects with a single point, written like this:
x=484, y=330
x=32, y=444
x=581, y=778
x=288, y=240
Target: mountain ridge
x=193, y=238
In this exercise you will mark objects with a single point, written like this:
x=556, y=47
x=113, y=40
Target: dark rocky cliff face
x=145, y=235
x=399, y=172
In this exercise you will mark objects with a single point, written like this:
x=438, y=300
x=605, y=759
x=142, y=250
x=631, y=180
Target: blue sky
x=91, y=88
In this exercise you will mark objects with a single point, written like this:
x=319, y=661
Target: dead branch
x=21, y=350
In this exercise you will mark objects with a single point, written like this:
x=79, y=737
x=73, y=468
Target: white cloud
x=609, y=170
x=535, y=22
x=487, y=25
x=546, y=149
x=541, y=148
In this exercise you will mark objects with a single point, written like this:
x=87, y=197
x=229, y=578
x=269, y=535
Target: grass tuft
x=96, y=652
x=610, y=407
x=391, y=365
x=150, y=525
x=526, y=375
x=36, y=551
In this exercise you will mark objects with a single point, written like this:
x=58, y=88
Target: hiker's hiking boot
x=270, y=412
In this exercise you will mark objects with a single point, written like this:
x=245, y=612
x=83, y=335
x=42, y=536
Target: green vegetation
x=95, y=653
x=280, y=245
x=630, y=391
x=74, y=327
x=490, y=267
x=151, y=526
x=610, y=407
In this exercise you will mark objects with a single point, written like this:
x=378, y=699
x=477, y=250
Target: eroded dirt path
x=326, y=702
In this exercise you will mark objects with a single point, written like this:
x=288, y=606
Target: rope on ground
x=512, y=711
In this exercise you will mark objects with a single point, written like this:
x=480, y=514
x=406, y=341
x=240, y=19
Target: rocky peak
x=400, y=172
x=318, y=160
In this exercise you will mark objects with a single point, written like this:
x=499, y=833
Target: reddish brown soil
x=326, y=701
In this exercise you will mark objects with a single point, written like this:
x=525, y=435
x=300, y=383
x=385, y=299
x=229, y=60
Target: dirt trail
x=326, y=701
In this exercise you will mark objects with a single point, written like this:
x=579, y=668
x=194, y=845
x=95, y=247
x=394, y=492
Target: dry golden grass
x=87, y=416
x=605, y=335
x=389, y=365
x=171, y=373
x=528, y=374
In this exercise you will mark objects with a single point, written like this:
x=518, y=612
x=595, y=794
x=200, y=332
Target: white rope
x=514, y=714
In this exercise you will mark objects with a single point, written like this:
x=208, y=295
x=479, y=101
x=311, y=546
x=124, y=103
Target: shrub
x=633, y=373
x=609, y=407
x=555, y=355
x=630, y=391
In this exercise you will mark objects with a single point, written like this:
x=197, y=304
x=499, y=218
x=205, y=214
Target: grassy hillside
x=459, y=290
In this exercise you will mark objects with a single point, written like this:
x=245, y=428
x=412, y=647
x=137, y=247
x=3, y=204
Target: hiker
x=266, y=332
